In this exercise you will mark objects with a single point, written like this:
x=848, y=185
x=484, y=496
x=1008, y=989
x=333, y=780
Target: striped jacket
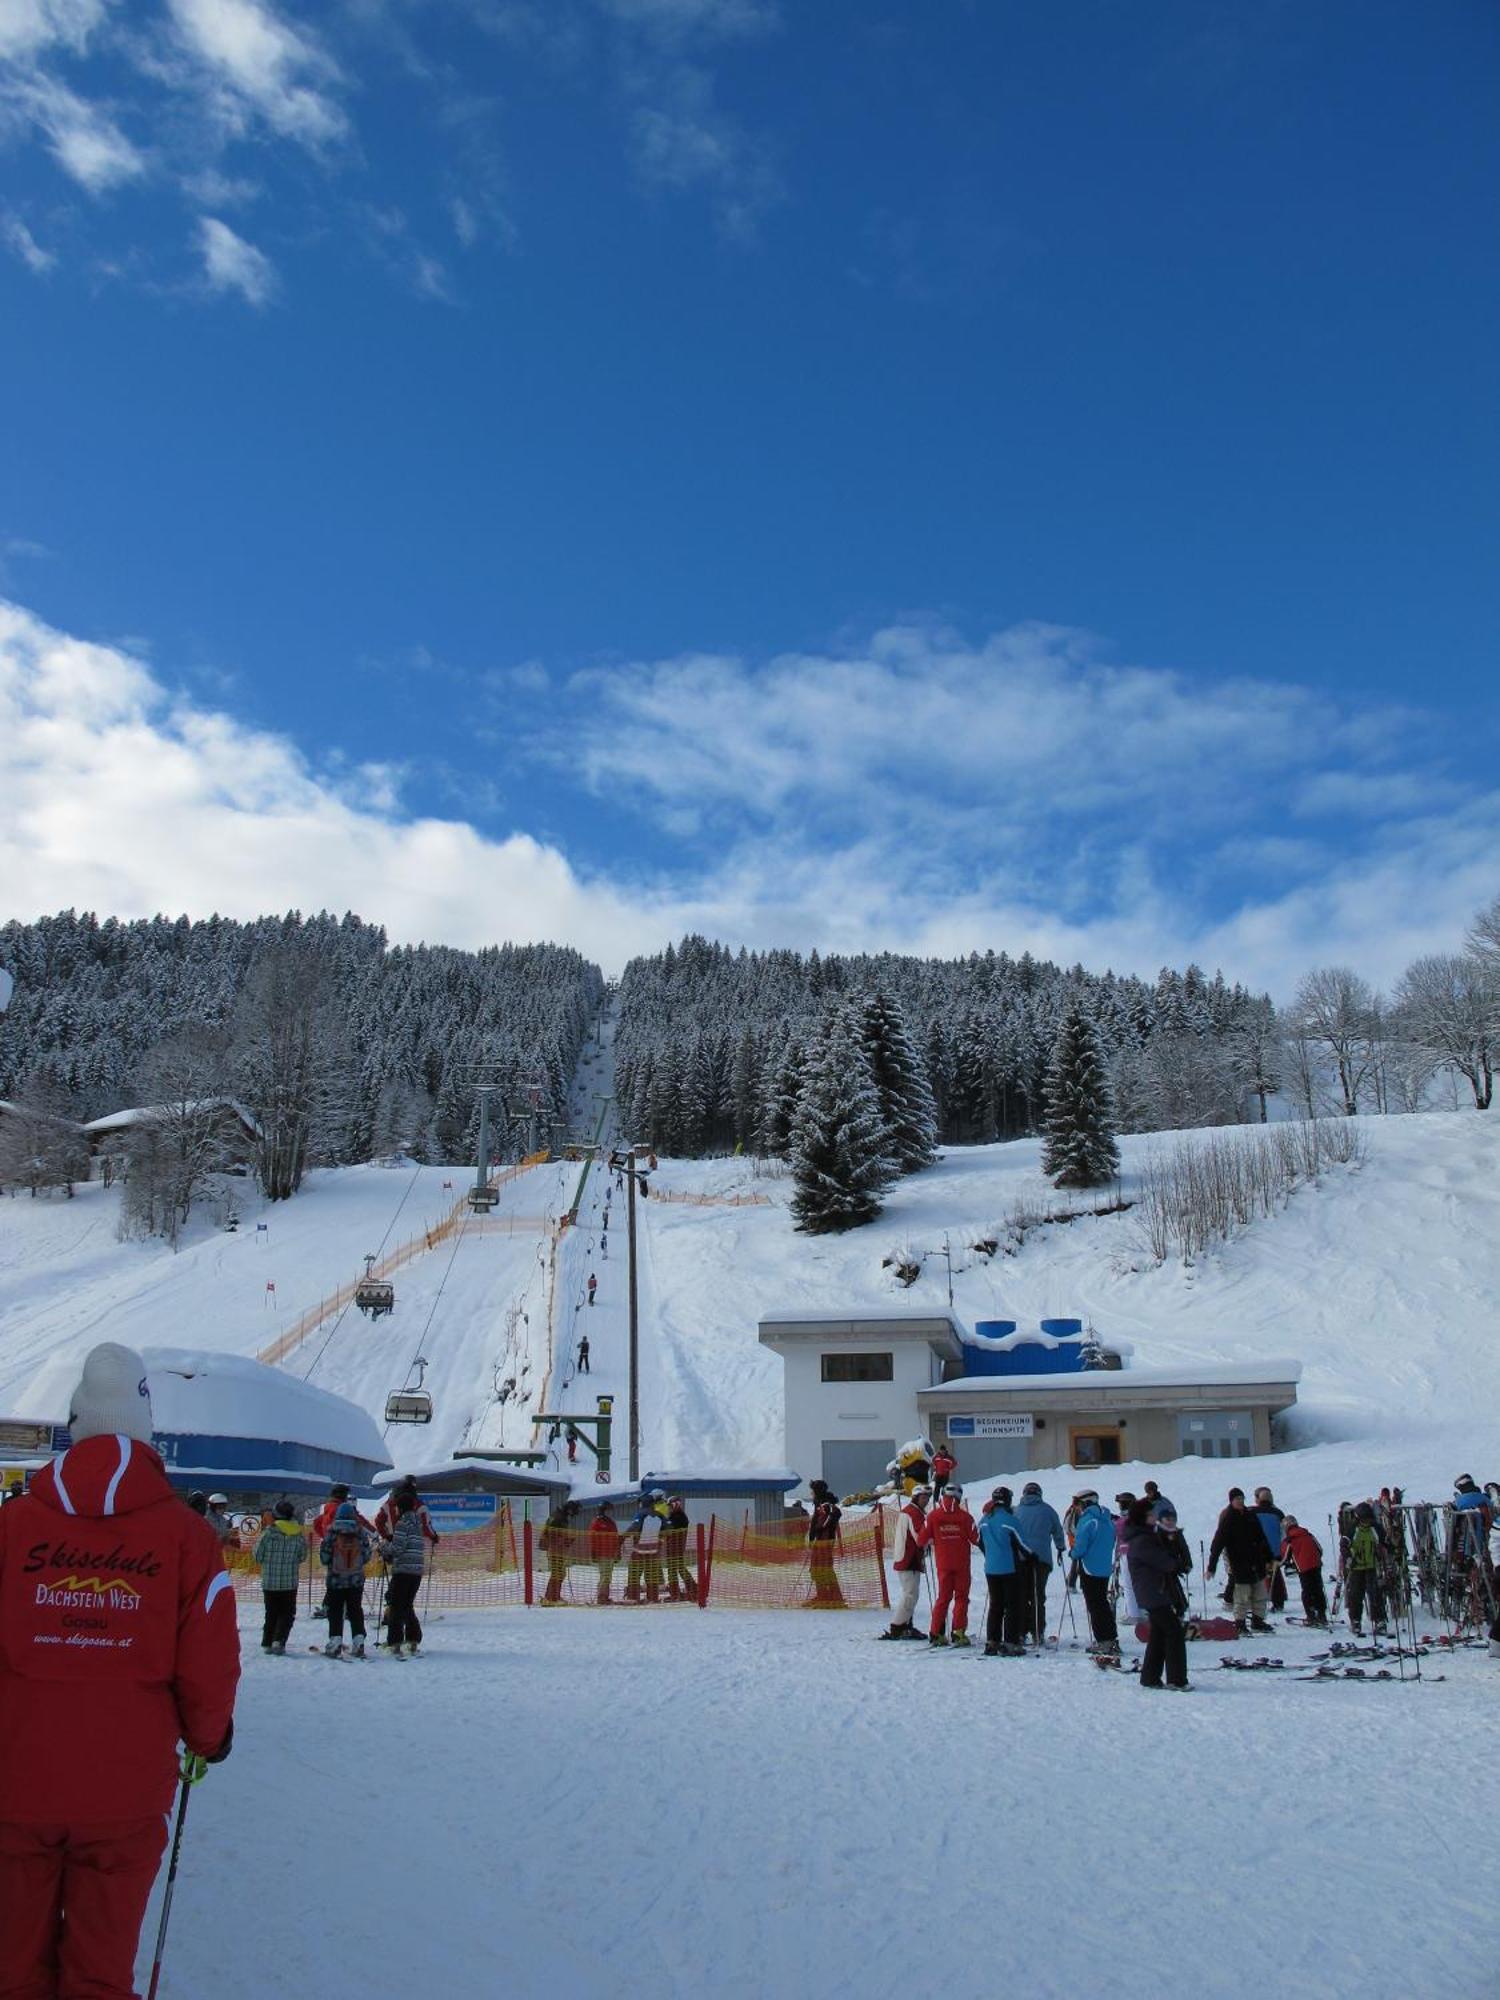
x=405, y=1550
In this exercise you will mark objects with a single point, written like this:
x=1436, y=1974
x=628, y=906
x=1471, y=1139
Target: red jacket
x=944, y=1464
x=386, y=1518
x=1304, y=1548
x=324, y=1522
x=604, y=1539
x=909, y=1537
x=118, y=1639
x=950, y=1533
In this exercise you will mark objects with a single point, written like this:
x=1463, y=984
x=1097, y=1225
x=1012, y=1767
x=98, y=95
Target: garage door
x=856, y=1465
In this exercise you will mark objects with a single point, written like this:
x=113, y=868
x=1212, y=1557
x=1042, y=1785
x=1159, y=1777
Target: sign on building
x=991, y=1424
x=460, y=1513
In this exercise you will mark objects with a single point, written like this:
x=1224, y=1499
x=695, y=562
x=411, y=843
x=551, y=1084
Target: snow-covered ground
x=671, y=1802
x=632, y=1806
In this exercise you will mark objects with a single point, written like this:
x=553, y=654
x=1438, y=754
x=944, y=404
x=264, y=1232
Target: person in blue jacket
x=1093, y=1564
x=1041, y=1532
x=1004, y=1560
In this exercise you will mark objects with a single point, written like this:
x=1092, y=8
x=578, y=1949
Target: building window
x=1094, y=1447
x=857, y=1368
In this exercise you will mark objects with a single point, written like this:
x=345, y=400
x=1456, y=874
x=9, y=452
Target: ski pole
x=1203, y=1574
x=166, y=1900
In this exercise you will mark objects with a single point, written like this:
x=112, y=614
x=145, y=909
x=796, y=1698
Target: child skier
x=279, y=1554
x=1302, y=1549
x=344, y=1553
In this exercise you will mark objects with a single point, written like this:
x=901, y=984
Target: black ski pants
x=1167, y=1647
x=281, y=1612
x=1002, y=1625
x=1314, y=1597
x=1101, y=1612
x=401, y=1599
x=352, y=1601
x=1034, y=1577
x=1364, y=1588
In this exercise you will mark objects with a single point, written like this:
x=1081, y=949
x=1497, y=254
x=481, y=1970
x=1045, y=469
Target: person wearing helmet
x=822, y=1546
x=909, y=1564
x=950, y=1534
x=644, y=1536
x=1004, y=1561
x=198, y=1501
x=1093, y=1566
x=1362, y=1573
x=217, y=1516
x=681, y=1585
x=1042, y=1533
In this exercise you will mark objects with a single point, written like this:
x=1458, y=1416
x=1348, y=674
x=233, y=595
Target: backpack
x=346, y=1559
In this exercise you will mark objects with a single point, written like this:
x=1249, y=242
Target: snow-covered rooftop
x=136, y=1114
x=1214, y=1374
x=222, y=1395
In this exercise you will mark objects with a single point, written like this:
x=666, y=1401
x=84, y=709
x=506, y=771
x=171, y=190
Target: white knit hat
x=112, y=1396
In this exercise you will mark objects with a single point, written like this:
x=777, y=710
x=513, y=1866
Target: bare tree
x=178, y=1140
x=40, y=1146
x=1338, y=1011
x=1450, y=1008
x=1484, y=939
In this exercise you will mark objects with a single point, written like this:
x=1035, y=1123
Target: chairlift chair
x=408, y=1406
x=483, y=1199
x=373, y=1295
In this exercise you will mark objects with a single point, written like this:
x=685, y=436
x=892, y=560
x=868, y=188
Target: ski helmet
x=218, y=1499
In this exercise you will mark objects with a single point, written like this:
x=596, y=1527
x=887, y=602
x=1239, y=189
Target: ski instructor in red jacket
x=118, y=1641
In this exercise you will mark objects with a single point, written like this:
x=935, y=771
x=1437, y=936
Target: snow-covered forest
x=341, y=1046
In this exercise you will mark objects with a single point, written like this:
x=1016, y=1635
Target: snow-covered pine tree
x=1079, y=1149
x=839, y=1163
x=899, y=1075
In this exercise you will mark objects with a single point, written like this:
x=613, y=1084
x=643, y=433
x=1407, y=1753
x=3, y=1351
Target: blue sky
x=929, y=475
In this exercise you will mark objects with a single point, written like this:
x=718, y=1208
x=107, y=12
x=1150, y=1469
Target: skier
x=405, y=1553
x=1155, y=1497
x=218, y=1519
x=89, y=1734
x=572, y=1438
x=1241, y=1540
x=644, y=1535
x=1159, y=1559
x=822, y=1547
x=390, y=1509
x=944, y=1465
x=1271, y=1520
x=604, y=1549
x=1126, y=1589
x=908, y=1563
x=583, y=1356
x=593, y=1287
x=1495, y=1566
x=344, y=1551
x=950, y=1533
x=1041, y=1532
x=680, y=1583
x=198, y=1501
x=556, y=1541
x=1362, y=1574
x=1302, y=1549
x=280, y=1553
x=1005, y=1560
x=1093, y=1566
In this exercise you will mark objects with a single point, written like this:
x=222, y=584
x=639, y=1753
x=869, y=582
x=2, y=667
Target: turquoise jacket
x=1000, y=1539
x=1094, y=1541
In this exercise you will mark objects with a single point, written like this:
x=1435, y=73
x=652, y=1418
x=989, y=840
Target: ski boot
x=936, y=1639
x=278, y=1649
x=1261, y=1625
x=358, y=1652
x=993, y=1652
x=332, y=1650
x=894, y=1632
x=398, y=1652
x=960, y=1639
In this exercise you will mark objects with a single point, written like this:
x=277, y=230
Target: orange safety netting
x=515, y=1562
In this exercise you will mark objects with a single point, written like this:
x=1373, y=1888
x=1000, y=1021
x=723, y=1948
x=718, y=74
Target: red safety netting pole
x=526, y=1556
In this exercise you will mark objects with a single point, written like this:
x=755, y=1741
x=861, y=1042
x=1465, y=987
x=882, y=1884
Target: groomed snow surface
x=675, y=1802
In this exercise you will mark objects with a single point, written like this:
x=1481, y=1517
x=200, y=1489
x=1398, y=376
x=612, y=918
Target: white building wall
x=817, y=1411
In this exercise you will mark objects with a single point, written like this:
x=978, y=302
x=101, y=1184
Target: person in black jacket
x=1241, y=1540
x=822, y=1542
x=1159, y=1559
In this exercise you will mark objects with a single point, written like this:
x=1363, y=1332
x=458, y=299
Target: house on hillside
x=236, y=1132
x=1006, y=1400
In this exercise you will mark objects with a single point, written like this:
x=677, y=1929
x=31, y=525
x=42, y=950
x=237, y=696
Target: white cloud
x=230, y=264
x=84, y=139
x=116, y=796
x=27, y=27
x=259, y=66
x=20, y=239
